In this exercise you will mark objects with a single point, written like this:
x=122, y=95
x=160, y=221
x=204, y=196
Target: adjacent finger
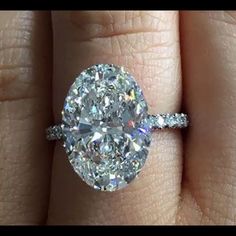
x=25, y=111
x=209, y=60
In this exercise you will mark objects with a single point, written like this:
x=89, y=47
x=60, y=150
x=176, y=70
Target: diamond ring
x=106, y=128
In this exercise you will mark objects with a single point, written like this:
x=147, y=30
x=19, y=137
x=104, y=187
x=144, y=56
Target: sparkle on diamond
x=105, y=127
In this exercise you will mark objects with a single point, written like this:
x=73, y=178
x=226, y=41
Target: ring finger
x=147, y=44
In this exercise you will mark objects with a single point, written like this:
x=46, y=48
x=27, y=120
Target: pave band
x=159, y=121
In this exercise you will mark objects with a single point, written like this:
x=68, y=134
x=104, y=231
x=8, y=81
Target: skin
x=182, y=61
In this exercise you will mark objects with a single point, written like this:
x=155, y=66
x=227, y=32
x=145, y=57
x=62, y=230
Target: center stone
x=105, y=128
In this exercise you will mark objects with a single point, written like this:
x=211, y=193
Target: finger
x=25, y=111
x=146, y=43
x=209, y=56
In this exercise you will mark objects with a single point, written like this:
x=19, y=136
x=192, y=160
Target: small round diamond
x=105, y=127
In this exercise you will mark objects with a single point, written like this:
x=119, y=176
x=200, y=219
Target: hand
x=189, y=177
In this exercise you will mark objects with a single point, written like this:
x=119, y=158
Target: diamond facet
x=105, y=127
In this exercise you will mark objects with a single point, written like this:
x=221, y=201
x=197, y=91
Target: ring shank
x=159, y=121
x=54, y=132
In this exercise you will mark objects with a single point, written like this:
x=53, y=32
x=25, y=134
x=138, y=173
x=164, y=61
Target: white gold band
x=159, y=121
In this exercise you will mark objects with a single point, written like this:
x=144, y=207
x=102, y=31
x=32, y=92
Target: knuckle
x=110, y=23
x=148, y=38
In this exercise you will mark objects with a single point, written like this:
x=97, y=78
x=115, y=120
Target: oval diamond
x=105, y=127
